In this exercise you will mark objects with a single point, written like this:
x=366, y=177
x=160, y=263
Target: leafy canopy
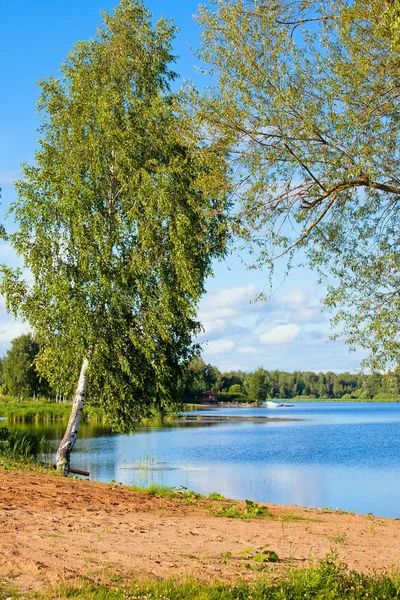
x=19, y=373
x=118, y=220
x=308, y=102
x=258, y=386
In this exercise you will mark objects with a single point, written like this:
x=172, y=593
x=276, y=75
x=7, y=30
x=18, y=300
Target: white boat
x=271, y=404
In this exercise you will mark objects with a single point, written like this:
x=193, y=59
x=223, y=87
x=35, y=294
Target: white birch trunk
x=69, y=439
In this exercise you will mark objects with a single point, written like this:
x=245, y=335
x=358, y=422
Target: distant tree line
x=261, y=384
x=19, y=378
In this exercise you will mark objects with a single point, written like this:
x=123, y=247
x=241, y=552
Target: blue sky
x=288, y=332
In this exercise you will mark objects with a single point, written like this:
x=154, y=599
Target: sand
x=54, y=530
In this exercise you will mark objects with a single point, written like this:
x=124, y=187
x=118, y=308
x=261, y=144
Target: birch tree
x=117, y=221
x=307, y=100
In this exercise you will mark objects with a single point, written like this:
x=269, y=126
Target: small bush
x=250, y=510
x=385, y=397
x=215, y=496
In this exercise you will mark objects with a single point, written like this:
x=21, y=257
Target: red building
x=209, y=397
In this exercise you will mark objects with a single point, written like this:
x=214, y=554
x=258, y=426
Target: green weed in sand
x=328, y=581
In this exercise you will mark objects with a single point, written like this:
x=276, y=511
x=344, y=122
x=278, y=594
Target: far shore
x=188, y=418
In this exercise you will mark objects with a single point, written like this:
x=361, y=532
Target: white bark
x=69, y=439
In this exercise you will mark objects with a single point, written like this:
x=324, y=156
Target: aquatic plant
x=23, y=445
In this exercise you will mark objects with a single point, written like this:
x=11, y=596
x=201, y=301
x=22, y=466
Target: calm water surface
x=341, y=455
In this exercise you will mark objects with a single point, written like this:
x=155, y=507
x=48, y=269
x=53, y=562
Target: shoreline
x=188, y=418
x=56, y=529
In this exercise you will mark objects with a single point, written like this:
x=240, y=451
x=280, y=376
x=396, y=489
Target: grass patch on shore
x=24, y=445
x=41, y=411
x=155, y=489
x=328, y=581
x=30, y=411
x=188, y=497
x=224, y=507
x=248, y=510
x=9, y=464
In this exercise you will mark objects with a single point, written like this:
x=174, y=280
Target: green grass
x=328, y=581
x=156, y=489
x=250, y=510
x=158, y=421
x=9, y=464
x=216, y=496
x=290, y=517
x=32, y=411
x=7, y=591
x=225, y=508
x=23, y=445
x=258, y=560
x=187, y=496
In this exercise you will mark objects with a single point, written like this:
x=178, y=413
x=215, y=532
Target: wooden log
x=71, y=470
x=79, y=472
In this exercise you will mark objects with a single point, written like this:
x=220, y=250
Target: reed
x=24, y=445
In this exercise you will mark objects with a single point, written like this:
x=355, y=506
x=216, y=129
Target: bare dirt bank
x=53, y=530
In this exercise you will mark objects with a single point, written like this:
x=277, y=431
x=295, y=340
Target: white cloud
x=218, y=313
x=297, y=296
x=303, y=304
x=281, y=334
x=215, y=320
x=231, y=297
x=246, y=349
x=223, y=312
x=219, y=346
x=12, y=329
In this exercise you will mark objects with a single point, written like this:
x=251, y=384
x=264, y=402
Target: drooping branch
x=345, y=185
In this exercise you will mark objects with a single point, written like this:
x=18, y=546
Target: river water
x=338, y=455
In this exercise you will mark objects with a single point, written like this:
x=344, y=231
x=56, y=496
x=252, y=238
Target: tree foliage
x=199, y=378
x=18, y=369
x=308, y=102
x=258, y=386
x=117, y=220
